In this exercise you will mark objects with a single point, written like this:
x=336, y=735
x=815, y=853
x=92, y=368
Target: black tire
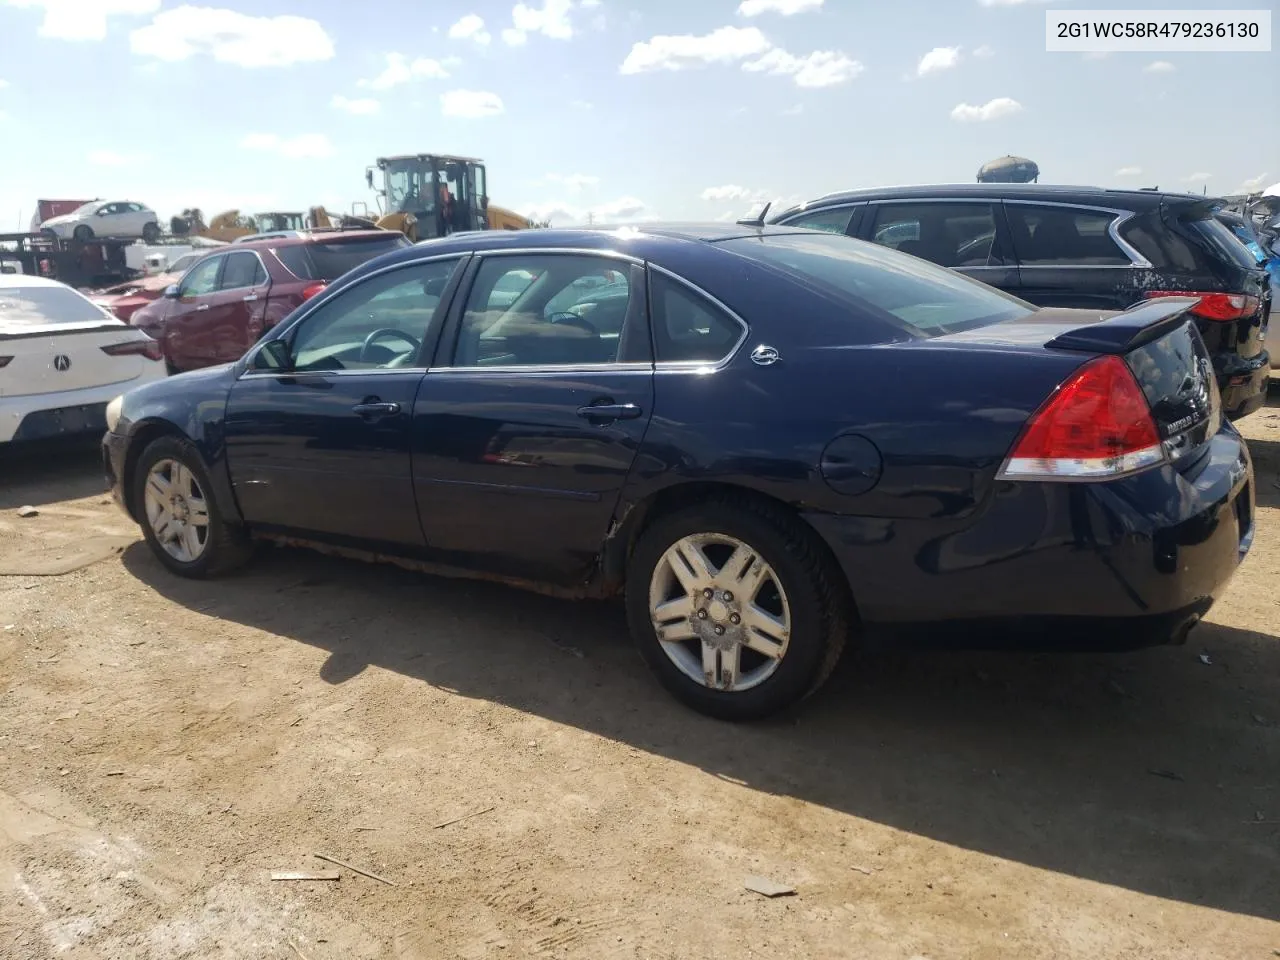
x=821, y=608
x=83, y=233
x=226, y=545
x=151, y=232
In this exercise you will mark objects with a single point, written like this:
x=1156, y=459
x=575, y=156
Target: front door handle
x=373, y=408
x=203, y=306
x=250, y=298
x=604, y=412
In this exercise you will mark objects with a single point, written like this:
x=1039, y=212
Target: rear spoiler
x=1186, y=209
x=1141, y=323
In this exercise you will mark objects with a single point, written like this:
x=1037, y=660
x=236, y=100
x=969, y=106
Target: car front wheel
x=82, y=233
x=151, y=232
x=180, y=517
x=736, y=608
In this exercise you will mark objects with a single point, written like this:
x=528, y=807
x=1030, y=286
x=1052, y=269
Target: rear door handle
x=609, y=411
x=203, y=306
x=376, y=408
x=250, y=298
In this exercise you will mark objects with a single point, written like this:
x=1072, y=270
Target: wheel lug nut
x=734, y=618
x=728, y=597
x=719, y=630
x=708, y=593
x=702, y=614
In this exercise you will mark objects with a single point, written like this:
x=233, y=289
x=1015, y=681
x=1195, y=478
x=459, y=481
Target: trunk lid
x=66, y=357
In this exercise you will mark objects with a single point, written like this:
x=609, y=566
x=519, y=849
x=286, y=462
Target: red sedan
x=227, y=300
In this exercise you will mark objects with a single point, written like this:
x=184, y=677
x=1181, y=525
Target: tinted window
x=950, y=234
x=544, y=310
x=1063, y=236
x=1224, y=243
x=42, y=306
x=328, y=261
x=202, y=278
x=242, y=270
x=831, y=220
x=397, y=306
x=1163, y=248
x=929, y=299
x=686, y=326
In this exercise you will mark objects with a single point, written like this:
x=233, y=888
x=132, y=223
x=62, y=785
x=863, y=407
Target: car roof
x=301, y=238
x=28, y=280
x=1128, y=199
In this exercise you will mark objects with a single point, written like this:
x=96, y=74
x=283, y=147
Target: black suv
x=1079, y=247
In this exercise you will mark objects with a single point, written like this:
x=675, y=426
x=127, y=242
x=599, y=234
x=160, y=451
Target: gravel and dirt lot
x=168, y=744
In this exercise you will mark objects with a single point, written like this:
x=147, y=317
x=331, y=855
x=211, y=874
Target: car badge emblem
x=765, y=355
x=62, y=363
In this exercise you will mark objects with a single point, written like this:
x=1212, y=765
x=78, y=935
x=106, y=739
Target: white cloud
x=576, y=182
x=995, y=109
x=111, y=158
x=470, y=27
x=822, y=68
x=622, y=210
x=304, y=145
x=753, y=8
x=1158, y=66
x=984, y=52
x=231, y=37
x=1197, y=177
x=3, y=84
x=1253, y=184
x=677, y=52
x=400, y=70
x=730, y=191
x=581, y=104
x=361, y=106
x=470, y=103
x=83, y=19
x=937, y=60
x=1129, y=172
x=550, y=20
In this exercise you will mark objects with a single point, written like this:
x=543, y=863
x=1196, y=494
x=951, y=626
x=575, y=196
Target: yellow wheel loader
x=426, y=195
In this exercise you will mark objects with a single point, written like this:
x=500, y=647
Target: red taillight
x=1096, y=426
x=135, y=348
x=1215, y=306
x=310, y=291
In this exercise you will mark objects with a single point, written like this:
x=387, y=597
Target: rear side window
x=949, y=234
x=328, y=261
x=1223, y=242
x=1163, y=248
x=242, y=270
x=1062, y=236
x=687, y=327
x=45, y=306
x=832, y=220
x=926, y=299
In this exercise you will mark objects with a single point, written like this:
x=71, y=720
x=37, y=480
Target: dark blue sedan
x=769, y=440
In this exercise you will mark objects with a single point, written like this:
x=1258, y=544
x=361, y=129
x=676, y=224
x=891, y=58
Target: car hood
x=156, y=283
x=61, y=219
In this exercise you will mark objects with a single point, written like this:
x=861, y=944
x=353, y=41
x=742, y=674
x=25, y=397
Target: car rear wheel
x=179, y=515
x=83, y=233
x=735, y=608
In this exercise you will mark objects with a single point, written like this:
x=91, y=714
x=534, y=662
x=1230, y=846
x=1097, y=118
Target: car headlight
x=113, y=412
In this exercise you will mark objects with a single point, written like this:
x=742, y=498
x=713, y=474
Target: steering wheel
x=385, y=332
x=573, y=320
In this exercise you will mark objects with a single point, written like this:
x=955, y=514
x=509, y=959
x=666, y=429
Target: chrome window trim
x=558, y=251
x=668, y=366
x=307, y=311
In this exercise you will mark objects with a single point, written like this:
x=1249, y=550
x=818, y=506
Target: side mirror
x=274, y=355
x=368, y=178
x=171, y=291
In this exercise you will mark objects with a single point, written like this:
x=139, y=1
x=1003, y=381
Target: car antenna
x=756, y=219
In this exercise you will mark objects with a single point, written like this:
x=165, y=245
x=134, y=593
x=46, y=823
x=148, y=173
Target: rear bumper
x=1243, y=383
x=1124, y=564
x=68, y=413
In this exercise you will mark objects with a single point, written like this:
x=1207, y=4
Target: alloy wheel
x=177, y=511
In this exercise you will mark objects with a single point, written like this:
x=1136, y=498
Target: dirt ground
x=167, y=745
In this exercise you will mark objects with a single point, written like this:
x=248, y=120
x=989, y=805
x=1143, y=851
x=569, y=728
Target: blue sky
x=628, y=109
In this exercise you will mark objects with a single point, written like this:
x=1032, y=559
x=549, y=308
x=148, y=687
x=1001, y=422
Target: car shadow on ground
x=44, y=472
x=1152, y=771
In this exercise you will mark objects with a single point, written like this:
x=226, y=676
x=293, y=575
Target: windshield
x=409, y=186
x=929, y=299
x=184, y=261
x=328, y=261
x=86, y=209
x=46, y=306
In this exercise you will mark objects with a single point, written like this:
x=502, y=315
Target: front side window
x=835, y=220
x=545, y=310
x=927, y=300
x=1063, y=236
x=948, y=234
x=374, y=325
x=202, y=279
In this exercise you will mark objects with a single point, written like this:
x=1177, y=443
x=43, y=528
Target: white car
x=63, y=359
x=106, y=218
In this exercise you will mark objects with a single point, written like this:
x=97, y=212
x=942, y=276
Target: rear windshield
x=929, y=300
x=329, y=260
x=1223, y=242
x=46, y=306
